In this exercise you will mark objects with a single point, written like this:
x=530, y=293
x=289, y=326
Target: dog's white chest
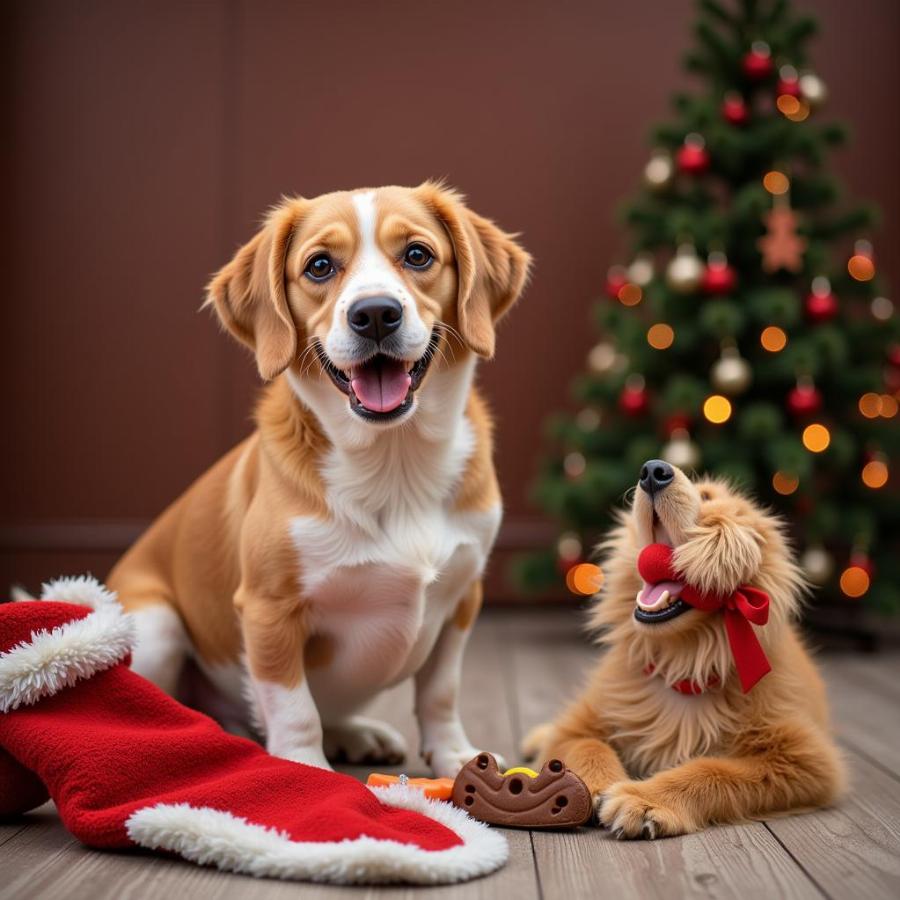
x=384, y=572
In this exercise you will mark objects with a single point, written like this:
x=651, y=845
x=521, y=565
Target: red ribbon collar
x=745, y=606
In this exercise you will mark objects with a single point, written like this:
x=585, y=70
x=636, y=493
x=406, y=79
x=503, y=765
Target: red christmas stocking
x=129, y=766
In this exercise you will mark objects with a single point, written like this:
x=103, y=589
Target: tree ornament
x=675, y=422
x=861, y=265
x=788, y=82
x=757, y=62
x=861, y=559
x=681, y=451
x=641, y=270
x=588, y=419
x=692, y=156
x=616, y=279
x=633, y=401
x=685, y=271
x=659, y=171
x=882, y=308
x=817, y=564
x=781, y=246
x=574, y=464
x=875, y=473
x=719, y=277
x=602, y=358
x=732, y=374
x=734, y=109
x=821, y=304
x=813, y=90
x=568, y=547
x=893, y=354
x=804, y=399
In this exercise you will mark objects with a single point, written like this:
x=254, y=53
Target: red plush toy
x=128, y=766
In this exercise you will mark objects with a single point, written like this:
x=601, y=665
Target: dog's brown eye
x=705, y=495
x=417, y=256
x=320, y=267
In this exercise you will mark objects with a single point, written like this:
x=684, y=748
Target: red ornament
x=893, y=354
x=692, y=157
x=719, y=277
x=757, y=62
x=804, y=400
x=676, y=422
x=788, y=82
x=563, y=565
x=616, y=279
x=634, y=401
x=821, y=306
x=734, y=109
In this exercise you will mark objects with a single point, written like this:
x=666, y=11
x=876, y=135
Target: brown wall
x=147, y=137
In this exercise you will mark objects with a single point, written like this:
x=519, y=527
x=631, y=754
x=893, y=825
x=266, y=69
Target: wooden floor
x=520, y=666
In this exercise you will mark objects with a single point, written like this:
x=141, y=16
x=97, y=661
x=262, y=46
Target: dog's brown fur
x=722, y=756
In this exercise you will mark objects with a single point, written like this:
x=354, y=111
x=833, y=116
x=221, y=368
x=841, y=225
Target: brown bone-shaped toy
x=557, y=798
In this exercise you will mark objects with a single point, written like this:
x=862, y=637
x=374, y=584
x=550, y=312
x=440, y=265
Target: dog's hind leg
x=162, y=642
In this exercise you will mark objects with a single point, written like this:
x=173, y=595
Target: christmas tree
x=749, y=335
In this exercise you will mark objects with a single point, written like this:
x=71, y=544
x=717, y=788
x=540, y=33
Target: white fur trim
x=215, y=837
x=84, y=590
x=56, y=659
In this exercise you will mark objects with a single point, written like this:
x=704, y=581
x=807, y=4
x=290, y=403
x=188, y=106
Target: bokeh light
x=660, y=336
x=861, y=267
x=630, y=294
x=717, y=409
x=875, y=474
x=855, y=581
x=870, y=405
x=574, y=464
x=569, y=546
x=584, y=579
x=800, y=114
x=888, y=406
x=776, y=182
x=816, y=437
x=785, y=483
x=788, y=105
x=773, y=339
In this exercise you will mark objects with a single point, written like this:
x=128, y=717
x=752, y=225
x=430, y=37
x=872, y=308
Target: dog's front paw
x=358, y=740
x=310, y=756
x=630, y=810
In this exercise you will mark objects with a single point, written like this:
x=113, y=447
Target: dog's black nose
x=375, y=317
x=656, y=475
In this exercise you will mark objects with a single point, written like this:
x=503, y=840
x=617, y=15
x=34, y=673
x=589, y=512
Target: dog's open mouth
x=660, y=602
x=381, y=388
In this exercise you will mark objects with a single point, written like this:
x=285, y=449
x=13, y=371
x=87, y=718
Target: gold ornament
x=732, y=374
x=817, y=564
x=681, y=451
x=685, y=271
x=813, y=90
x=641, y=272
x=659, y=171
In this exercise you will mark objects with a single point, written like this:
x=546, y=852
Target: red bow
x=745, y=605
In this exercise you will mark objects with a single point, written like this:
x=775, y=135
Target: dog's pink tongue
x=652, y=594
x=381, y=385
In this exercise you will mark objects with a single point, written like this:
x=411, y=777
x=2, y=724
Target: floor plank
x=853, y=850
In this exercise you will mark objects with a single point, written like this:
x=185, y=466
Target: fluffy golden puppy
x=694, y=715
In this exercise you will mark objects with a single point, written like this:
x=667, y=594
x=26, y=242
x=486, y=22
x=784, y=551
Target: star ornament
x=781, y=246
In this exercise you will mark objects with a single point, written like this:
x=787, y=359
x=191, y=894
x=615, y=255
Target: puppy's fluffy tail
x=536, y=741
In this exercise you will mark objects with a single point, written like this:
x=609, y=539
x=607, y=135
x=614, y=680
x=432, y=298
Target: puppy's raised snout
x=375, y=317
x=656, y=474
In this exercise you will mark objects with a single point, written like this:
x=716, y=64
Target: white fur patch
x=231, y=843
x=291, y=721
x=58, y=658
x=161, y=646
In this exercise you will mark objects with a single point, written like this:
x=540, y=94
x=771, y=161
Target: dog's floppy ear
x=249, y=295
x=492, y=268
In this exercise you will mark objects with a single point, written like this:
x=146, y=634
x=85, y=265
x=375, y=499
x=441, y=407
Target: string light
x=574, y=464
x=788, y=105
x=855, y=581
x=584, y=579
x=773, y=339
x=717, y=409
x=569, y=546
x=800, y=114
x=870, y=405
x=630, y=294
x=861, y=265
x=660, y=336
x=882, y=308
x=889, y=406
x=776, y=182
x=875, y=474
x=816, y=438
x=785, y=483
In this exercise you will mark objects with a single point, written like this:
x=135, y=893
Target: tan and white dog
x=339, y=549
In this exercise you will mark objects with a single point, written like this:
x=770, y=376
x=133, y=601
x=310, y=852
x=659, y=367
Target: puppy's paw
x=630, y=810
x=362, y=740
x=310, y=756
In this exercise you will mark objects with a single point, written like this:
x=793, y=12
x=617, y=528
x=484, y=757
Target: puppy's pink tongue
x=382, y=384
